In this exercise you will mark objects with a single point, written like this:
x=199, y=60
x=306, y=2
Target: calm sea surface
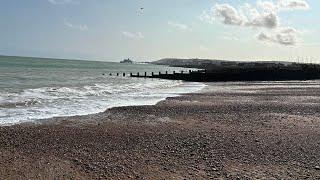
x=35, y=88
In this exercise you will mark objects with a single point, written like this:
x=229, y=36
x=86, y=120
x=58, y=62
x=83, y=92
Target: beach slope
x=227, y=131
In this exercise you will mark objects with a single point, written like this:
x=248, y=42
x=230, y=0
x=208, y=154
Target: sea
x=39, y=88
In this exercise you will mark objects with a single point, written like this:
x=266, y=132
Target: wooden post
x=181, y=72
x=138, y=74
x=130, y=74
x=145, y=74
x=166, y=72
x=190, y=71
x=117, y=74
x=152, y=74
x=174, y=72
x=159, y=73
x=124, y=74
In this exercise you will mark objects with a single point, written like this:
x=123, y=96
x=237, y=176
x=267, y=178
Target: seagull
x=141, y=10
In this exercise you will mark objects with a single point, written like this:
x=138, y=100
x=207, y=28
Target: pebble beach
x=226, y=131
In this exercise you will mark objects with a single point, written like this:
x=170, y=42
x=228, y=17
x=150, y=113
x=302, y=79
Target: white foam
x=87, y=99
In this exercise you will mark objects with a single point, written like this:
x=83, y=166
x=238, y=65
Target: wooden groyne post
x=178, y=75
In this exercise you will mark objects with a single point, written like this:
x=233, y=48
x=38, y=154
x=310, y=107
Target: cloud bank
x=283, y=36
x=263, y=15
x=293, y=5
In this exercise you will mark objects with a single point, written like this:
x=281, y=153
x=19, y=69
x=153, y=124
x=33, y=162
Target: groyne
x=223, y=75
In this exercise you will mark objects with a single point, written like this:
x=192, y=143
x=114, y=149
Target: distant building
x=128, y=61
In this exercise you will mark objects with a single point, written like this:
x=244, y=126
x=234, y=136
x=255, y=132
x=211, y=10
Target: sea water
x=36, y=88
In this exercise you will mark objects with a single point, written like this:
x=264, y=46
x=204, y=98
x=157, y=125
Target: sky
x=145, y=30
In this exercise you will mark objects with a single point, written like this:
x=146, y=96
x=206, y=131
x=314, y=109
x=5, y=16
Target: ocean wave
x=47, y=102
x=32, y=88
x=18, y=104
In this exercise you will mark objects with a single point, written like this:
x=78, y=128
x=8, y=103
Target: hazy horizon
x=272, y=30
x=152, y=60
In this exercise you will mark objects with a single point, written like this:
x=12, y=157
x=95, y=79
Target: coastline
x=238, y=131
x=155, y=96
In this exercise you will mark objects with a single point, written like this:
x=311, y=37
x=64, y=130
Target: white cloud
x=293, y=5
x=268, y=6
x=179, y=26
x=281, y=5
x=284, y=36
x=266, y=20
x=132, y=35
x=61, y=1
x=264, y=14
x=228, y=14
x=76, y=26
x=231, y=16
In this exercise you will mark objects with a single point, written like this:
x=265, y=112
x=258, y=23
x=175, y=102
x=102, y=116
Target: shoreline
x=226, y=131
x=196, y=88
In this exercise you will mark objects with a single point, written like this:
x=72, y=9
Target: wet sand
x=227, y=131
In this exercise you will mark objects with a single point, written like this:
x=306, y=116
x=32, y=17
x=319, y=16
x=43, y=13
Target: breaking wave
x=47, y=102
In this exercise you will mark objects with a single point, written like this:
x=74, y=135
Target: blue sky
x=111, y=30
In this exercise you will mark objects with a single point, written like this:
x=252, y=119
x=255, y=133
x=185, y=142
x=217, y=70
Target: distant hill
x=186, y=62
x=217, y=64
x=221, y=70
